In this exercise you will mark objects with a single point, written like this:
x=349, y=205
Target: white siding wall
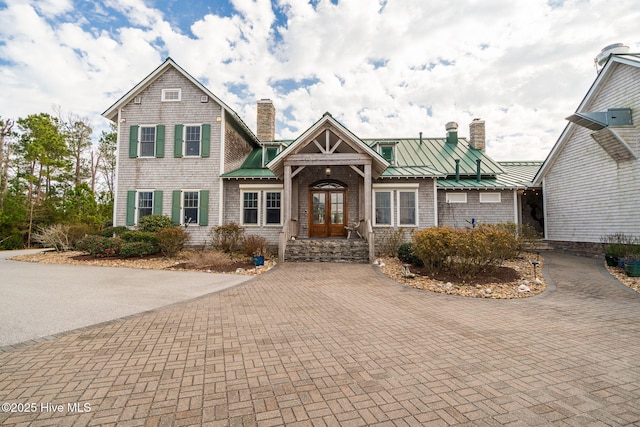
x=169, y=173
x=588, y=194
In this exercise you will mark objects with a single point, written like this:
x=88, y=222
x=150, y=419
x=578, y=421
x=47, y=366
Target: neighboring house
x=182, y=152
x=591, y=178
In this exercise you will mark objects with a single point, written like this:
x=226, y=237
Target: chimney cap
x=265, y=100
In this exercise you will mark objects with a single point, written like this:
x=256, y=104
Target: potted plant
x=614, y=252
x=632, y=261
x=258, y=257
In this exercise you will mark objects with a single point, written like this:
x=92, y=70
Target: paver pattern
x=333, y=344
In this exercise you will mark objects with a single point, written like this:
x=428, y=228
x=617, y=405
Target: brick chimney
x=476, y=134
x=266, y=124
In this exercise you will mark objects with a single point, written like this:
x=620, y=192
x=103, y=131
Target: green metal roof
x=410, y=172
x=439, y=156
x=251, y=168
x=517, y=175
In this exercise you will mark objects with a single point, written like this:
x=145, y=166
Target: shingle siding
x=460, y=214
x=170, y=173
x=587, y=194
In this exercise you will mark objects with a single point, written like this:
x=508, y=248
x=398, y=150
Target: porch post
x=367, y=192
x=287, y=193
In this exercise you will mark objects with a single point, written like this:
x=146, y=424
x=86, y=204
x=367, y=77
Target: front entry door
x=328, y=210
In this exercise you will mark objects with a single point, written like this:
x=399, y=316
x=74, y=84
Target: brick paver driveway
x=318, y=344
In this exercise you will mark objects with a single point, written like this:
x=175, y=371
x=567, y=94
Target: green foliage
x=172, y=240
x=254, y=245
x=100, y=247
x=137, y=249
x=405, y=254
x=13, y=221
x=15, y=240
x=154, y=223
x=465, y=252
x=113, y=231
x=227, y=237
x=621, y=245
x=131, y=236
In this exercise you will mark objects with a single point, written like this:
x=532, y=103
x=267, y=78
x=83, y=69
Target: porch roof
x=251, y=168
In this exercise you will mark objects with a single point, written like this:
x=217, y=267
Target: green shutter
x=175, y=207
x=206, y=140
x=133, y=142
x=160, y=141
x=157, y=202
x=177, y=141
x=131, y=207
x=204, y=208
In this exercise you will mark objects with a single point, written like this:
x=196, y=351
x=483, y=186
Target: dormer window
x=388, y=152
x=171, y=95
x=269, y=153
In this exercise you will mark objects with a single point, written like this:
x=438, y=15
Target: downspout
x=223, y=141
x=115, y=181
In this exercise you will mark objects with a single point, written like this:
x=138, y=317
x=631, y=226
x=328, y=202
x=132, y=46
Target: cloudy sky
x=384, y=68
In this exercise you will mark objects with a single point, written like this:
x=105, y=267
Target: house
x=591, y=178
x=183, y=152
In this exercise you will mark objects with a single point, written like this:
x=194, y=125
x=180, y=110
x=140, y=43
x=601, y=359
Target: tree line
x=51, y=172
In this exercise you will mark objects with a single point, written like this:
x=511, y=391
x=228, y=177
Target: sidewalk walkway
x=319, y=344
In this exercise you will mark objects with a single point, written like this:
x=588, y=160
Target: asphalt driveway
x=336, y=344
x=38, y=300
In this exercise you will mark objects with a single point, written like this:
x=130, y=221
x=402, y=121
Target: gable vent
x=204, y=98
x=137, y=100
x=602, y=119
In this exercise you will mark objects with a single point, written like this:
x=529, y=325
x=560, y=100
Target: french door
x=328, y=213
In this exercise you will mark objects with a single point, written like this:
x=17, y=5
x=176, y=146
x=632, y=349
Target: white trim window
x=147, y=138
x=456, y=197
x=171, y=95
x=490, y=197
x=144, y=203
x=383, y=208
x=261, y=205
x=190, y=207
x=192, y=140
x=408, y=207
x=273, y=208
x=250, y=207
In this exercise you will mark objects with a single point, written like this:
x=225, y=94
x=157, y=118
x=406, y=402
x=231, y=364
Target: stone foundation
x=587, y=249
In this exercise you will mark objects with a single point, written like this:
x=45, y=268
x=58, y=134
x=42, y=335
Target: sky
x=383, y=68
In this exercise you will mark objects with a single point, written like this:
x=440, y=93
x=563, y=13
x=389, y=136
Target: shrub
x=137, y=249
x=389, y=242
x=405, y=254
x=227, y=237
x=200, y=260
x=153, y=223
x=433, y=246
x=254, y=245
x=14, y=240
x=99, y=247
x=172, y=240
x=139, y=236
x=113, y=231
x=54, y=236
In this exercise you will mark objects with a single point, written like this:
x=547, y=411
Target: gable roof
x=112, y=112
x=379, y=164
x=602, y=78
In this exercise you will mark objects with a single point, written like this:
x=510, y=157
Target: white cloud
x=382, y=68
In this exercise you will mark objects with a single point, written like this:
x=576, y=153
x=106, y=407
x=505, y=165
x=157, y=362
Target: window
x=144, y=204
x=147, y=140
x=456, y=197
x=387, y=152
x=171, y=95
x=383, y=211
x=250, y=208
x=273, y=211
x=407, y=207
x=190, y=207
x=261, y=205
x=192, y=141
x=490, y=197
